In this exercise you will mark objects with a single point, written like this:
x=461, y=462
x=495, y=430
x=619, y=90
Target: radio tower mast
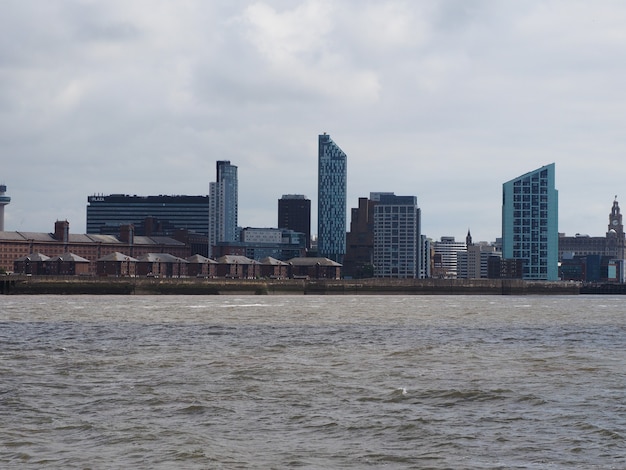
x=4, y=200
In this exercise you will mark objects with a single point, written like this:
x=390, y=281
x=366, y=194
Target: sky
x=440, y=99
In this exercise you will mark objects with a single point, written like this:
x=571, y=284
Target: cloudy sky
x=441, y=99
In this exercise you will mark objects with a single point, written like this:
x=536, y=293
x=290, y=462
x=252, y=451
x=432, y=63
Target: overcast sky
x=444, y=100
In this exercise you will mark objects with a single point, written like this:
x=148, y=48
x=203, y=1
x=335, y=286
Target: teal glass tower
x=530, y=229
x=331, y=199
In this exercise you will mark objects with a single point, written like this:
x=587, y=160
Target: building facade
x=223, y=205
x=359, y=259
x=92, y=247
x=594, y=259
x=445, y=257
x=331, y=200
x=294, y=213
x=149, y=214
x=260, y=243
x=530, y=223
x=397, y=237
x=474, y=262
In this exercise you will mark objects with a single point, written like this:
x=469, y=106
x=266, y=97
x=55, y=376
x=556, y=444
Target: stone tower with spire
x=615, y=240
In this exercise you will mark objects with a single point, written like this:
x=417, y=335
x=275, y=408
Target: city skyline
x=440, y=99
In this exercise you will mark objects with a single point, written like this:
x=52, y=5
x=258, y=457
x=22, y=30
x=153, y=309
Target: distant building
x=90, y=247
x=397, y=237
x=359, y=259
x=4, y=200
x=594, y=259
x=530, y=223
x=223, y=205
x=611, y=245
x=474, y=262
x=260, y=243
x=331, y=195
x=445, y=257
x=426, y=257
x=161, y=215
x=294, y=213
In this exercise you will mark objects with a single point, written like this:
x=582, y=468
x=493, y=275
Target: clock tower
x=615, y=240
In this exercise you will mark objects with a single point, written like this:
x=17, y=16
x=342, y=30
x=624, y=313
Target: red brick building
x=15, y=245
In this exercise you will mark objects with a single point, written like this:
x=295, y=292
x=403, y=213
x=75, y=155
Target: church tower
x=468, y=238
x=615, y=240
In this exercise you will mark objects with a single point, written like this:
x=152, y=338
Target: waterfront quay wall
x=192, y=286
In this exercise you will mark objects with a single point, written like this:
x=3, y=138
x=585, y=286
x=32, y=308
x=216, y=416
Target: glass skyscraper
x=223, y=205
x=530, y=223
x=331, y=199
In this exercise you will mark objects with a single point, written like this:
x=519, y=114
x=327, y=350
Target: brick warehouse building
x=14, y=245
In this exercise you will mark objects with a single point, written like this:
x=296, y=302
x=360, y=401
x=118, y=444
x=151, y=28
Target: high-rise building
x=149, y=214
x=294, y=213
x=445, y=257
x=397, y=237
x=223, y=205
x=359, y=259
x=530, y=223
x=4, y=200
x=331, y=199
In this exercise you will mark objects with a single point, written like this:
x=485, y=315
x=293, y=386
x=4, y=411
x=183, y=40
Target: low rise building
x=16, y=245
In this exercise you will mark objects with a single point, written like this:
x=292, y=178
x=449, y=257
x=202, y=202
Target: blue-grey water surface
x=232, y=382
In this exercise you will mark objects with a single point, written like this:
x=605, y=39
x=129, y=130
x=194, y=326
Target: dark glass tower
x=331, y=199
x=105, y=214
x=294, y=213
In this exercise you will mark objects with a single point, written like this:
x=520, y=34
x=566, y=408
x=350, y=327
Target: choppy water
x=312, y=382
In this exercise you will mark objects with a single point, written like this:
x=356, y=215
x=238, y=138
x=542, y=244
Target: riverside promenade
x=22, y=285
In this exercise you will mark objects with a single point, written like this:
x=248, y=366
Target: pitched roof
x=34, y=257
x=313, y=262
x=69, y=257
x=235, y=259
x=273, y=262
x=160, y=258
x=117, y=256
x=199, y=259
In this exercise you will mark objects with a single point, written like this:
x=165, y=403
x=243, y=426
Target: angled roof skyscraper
x=331, y=199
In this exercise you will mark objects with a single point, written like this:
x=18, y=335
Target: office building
x=223, y=205
x=359, y=258
x=530, y=223
x=150, y=215
x=331, y=200
x=294, y=213
x=4, y=200
x=260, y=243
x=397, y=237
x=445, y=253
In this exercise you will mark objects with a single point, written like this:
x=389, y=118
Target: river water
x=228, y=382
